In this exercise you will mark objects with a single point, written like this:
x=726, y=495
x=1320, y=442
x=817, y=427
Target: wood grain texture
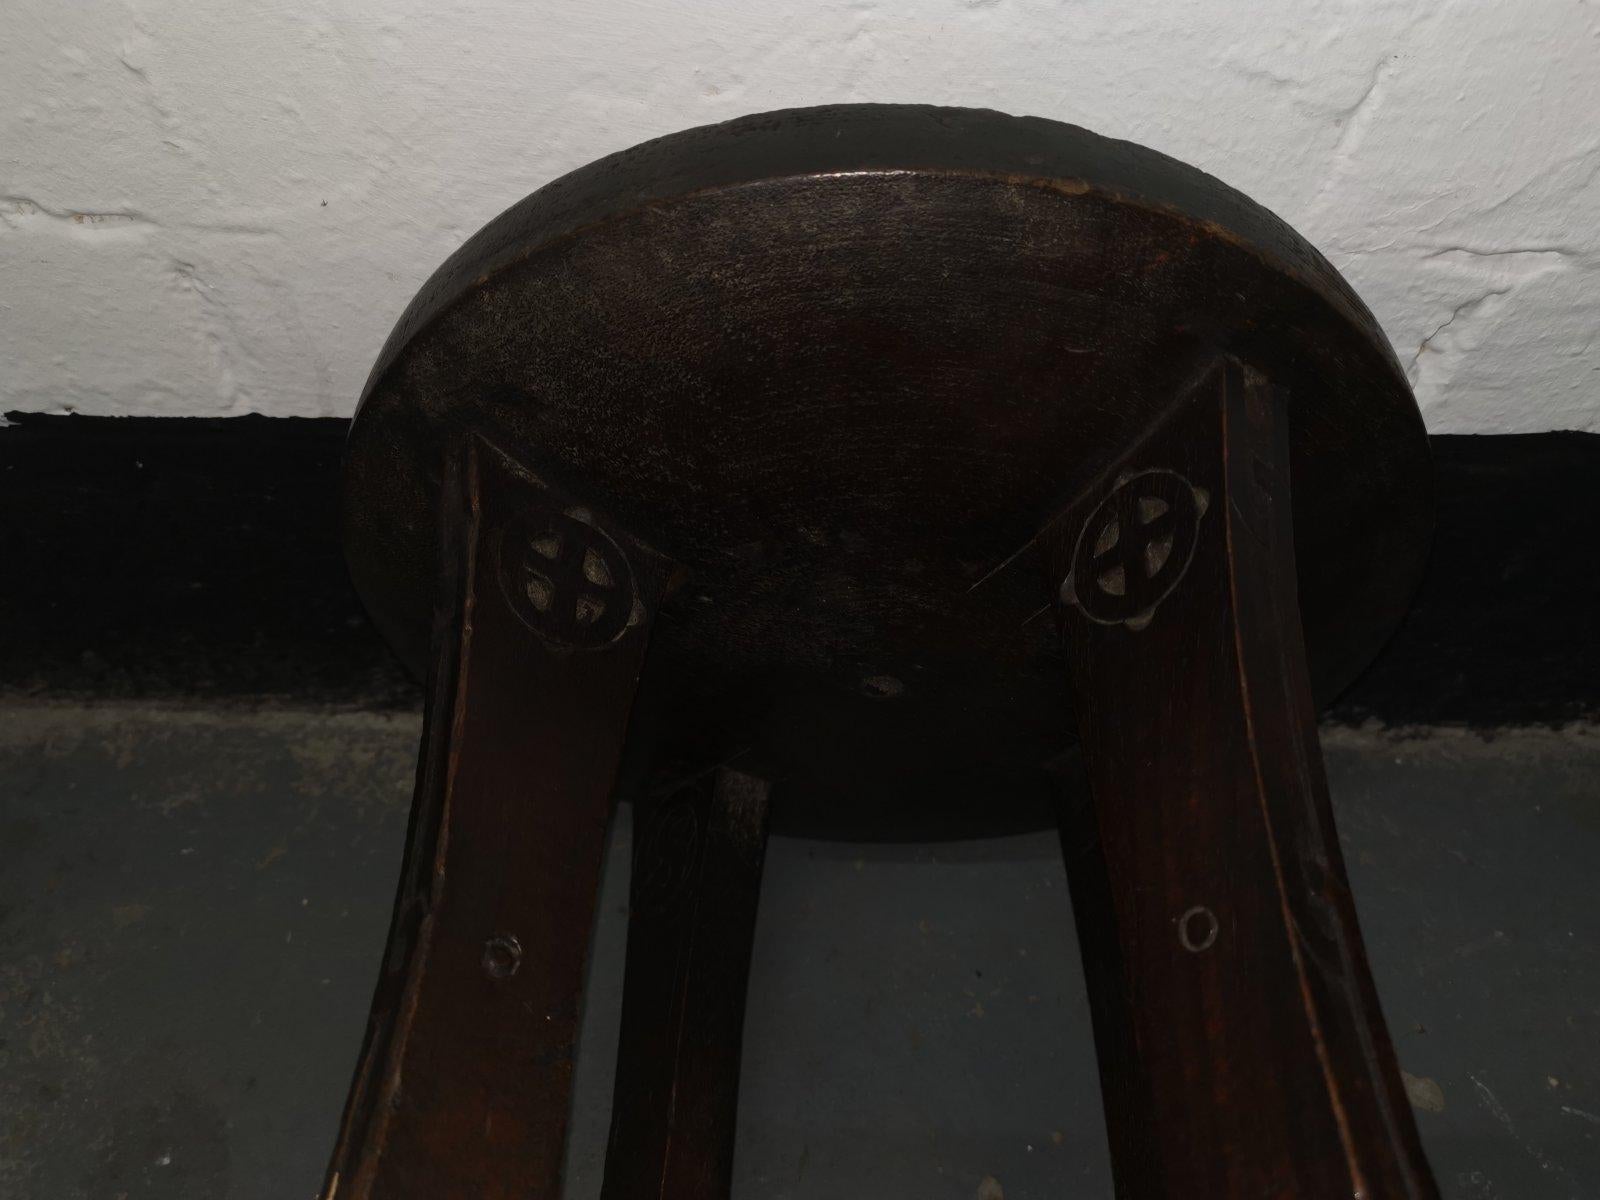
x=843, y=364
x=696, y=882
x=463, y=1086
x=864, y=373
x=1242, y=1048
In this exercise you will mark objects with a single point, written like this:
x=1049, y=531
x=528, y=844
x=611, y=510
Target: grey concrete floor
x=192, y=905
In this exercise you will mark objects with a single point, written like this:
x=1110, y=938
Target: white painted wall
x=221, y=206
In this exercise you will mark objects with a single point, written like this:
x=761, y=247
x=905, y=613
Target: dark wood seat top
x=843, y=364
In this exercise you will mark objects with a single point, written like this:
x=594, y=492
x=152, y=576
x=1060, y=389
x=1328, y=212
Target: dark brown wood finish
x=462, y=1088
x=842, y=366
x=692, y=912
x=1242, y=1049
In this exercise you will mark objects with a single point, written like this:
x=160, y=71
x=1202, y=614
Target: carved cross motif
x=1134, y=548
x=566, y=580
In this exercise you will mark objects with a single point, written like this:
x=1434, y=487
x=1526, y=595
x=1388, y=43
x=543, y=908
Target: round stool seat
x=842, y=365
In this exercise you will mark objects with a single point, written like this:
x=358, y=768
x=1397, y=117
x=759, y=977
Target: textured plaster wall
x=219, y=206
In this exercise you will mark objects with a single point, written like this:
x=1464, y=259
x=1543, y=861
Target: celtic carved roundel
x=566, y=580
x=1134, y=548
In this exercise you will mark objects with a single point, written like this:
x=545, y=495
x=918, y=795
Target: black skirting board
x=199, y=559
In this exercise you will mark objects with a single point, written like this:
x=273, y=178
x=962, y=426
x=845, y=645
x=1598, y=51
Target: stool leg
x=696, y=881
x=463, y=1085
x=1242, y=1050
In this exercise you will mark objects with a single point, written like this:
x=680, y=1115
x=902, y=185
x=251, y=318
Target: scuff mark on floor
x=1423, y=1092
x=1498, y=1111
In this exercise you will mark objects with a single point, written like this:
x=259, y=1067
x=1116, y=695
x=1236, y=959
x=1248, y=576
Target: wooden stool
x=910, y=440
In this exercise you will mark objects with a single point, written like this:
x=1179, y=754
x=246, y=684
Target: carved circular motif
x=566, y=580
x=1134, y=548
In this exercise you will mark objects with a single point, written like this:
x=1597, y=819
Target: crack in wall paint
x=319, y=165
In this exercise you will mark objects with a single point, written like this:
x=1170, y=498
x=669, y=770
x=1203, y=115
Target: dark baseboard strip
x=174, y=557
x=171, y=558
